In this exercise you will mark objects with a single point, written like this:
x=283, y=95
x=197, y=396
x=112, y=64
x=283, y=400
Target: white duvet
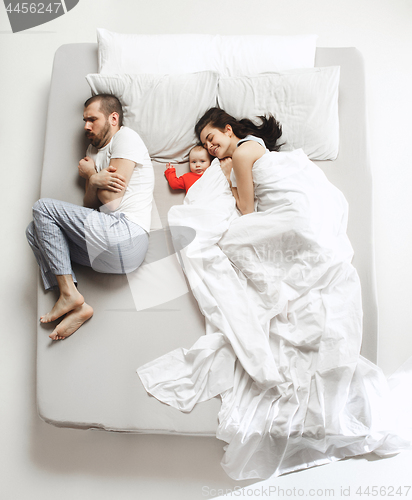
x=283, y=313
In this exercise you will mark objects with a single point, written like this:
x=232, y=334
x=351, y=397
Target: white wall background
x=39, y=461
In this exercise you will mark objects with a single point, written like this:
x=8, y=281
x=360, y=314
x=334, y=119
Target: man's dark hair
x=108, y=104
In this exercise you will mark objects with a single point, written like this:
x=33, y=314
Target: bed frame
x=89, y=380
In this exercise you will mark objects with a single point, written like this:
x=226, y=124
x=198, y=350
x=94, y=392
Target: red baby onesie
x=183, y=182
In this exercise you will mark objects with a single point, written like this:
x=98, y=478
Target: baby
x=199, y=161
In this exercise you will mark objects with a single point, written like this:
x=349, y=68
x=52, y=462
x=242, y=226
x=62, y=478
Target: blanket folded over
x=282, y=304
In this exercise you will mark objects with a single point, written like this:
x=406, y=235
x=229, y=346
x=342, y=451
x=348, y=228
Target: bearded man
x=110, y=232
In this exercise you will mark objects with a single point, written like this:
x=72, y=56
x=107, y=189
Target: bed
x=89, y=381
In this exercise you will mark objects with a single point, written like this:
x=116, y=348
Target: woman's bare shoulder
x=249, y=151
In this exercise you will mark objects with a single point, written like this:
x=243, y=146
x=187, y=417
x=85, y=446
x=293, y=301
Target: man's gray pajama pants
x=62, y=233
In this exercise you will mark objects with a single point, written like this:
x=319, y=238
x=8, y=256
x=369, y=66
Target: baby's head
x=199, y=159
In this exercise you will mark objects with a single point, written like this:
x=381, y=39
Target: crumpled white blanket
x=283, y=313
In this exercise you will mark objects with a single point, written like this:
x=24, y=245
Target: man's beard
x=99, y=140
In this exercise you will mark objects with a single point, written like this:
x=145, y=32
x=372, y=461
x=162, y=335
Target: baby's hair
x=199, y=147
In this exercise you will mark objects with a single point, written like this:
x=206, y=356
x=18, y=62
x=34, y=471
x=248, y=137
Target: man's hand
x=108, y=179
x=87, y=168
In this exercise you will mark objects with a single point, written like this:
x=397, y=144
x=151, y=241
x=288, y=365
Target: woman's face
x=218, y=143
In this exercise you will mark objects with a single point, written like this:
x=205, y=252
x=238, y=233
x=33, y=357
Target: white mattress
x=90, y=380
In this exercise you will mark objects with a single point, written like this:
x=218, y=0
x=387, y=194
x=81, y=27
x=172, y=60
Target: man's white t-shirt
x=137, y=201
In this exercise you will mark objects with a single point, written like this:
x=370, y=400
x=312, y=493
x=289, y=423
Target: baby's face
x=199, y=161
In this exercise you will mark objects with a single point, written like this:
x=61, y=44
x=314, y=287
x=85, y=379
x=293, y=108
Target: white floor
x=38, y=461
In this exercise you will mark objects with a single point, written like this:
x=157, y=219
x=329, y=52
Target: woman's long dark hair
x=270, y=129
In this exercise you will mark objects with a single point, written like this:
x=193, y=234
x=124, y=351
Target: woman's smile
x=216, y=141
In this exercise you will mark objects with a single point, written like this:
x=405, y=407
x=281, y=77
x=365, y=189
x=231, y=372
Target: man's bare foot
x=65, y=304
x=72, y=322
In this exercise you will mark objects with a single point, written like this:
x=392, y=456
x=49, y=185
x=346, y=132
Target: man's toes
x=72, y=322
x=56, y=337
x=48, y=318
x=55, y=334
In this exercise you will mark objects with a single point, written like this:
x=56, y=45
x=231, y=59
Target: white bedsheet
x=283, y=313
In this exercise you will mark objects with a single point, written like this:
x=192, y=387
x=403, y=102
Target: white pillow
x=305, y=102
x=162, y=109
x=228, y=55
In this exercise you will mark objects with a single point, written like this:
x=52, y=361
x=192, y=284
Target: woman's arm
x=242, y=160
x=226, y=166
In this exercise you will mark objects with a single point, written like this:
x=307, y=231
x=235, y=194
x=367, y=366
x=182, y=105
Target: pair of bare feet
x=71, y=304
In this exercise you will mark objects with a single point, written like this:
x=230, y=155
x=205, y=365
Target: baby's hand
x=226, y=166
x=168, y=165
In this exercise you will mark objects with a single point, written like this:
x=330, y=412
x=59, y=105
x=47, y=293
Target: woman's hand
x=86, y=167
x=108, y=179
x=226, y=166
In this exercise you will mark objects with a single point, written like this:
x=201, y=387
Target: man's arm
x=90, y=199
x=124, y=168
x=107, y=179
x=87, y=168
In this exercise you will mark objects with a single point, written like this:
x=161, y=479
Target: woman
x=296, y=224
x=243, y=141
x=292, y=246
x=283, y=311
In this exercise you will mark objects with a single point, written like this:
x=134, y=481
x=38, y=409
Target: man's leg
x=57, y=236
x=81, y=312
x=62, y=232
x=49, y=279
x=78, y=310
x=53, y=222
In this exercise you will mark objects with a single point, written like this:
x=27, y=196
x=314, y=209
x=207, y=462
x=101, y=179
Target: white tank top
x=245, y=139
